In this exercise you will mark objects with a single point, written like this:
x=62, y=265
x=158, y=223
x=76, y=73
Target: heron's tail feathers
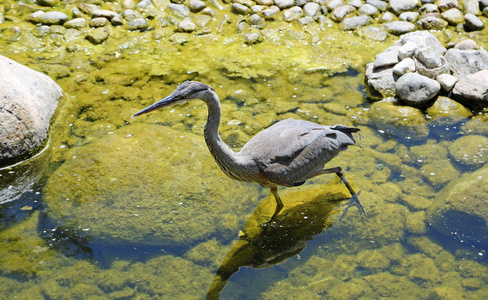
x=344, y=136
x=345, y=129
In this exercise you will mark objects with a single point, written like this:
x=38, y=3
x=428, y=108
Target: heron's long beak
x=160, y=104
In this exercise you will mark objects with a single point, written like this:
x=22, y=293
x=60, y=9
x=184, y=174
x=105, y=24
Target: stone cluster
x=394, y=17
x=417, y=68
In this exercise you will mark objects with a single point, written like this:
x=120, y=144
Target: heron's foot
x=353, y=201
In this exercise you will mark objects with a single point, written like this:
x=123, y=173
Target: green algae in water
x=145, y=185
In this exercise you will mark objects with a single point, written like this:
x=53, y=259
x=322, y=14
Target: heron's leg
x=279, y=204
x=354, y=200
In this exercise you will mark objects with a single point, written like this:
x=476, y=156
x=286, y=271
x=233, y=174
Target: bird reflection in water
x=263, y=244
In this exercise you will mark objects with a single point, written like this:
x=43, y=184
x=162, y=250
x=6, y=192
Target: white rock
x=409, y=49
x=405, y=66
x=311, y=9
x=447, y=81
x=293, y=13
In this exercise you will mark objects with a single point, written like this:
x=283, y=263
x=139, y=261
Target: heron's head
x=186, y=91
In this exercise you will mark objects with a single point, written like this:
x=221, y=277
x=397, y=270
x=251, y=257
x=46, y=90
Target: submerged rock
x=162, y=183
x=406, y=123
x=460, y=210
x=470, y=151
x=97, y=36
x=447, y=111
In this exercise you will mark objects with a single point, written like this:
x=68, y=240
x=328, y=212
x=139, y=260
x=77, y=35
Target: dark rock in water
x=460, y=210
x=416, y=90
x=465, y=62
x=28, y=100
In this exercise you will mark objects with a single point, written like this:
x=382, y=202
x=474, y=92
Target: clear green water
x=127, y=208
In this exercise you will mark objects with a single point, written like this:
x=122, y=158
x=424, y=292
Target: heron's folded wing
x=284, y=140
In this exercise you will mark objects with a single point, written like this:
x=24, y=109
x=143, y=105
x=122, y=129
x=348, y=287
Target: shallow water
x=121, y=208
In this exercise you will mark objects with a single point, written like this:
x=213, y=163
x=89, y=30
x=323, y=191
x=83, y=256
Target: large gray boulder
x=472, y=90
x=28, y=100
x=465, y=62
x=416, y=90
x=423, y=39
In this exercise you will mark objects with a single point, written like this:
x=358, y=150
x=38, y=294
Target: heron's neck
x=223, y=155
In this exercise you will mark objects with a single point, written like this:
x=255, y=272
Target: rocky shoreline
x=374, y=19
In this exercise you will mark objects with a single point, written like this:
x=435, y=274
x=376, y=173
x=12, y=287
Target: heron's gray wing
x=283, y=139
x=291, y=151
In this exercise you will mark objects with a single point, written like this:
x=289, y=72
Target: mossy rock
x=447, y=111
x=460, y=210
x=23, y=252
x=470, y=151
x=404, y=122
x=147, y=185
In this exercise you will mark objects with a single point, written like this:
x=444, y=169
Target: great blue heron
x=285, y=154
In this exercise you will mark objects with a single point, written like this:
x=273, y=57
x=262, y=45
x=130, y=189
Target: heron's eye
x=185, y=96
